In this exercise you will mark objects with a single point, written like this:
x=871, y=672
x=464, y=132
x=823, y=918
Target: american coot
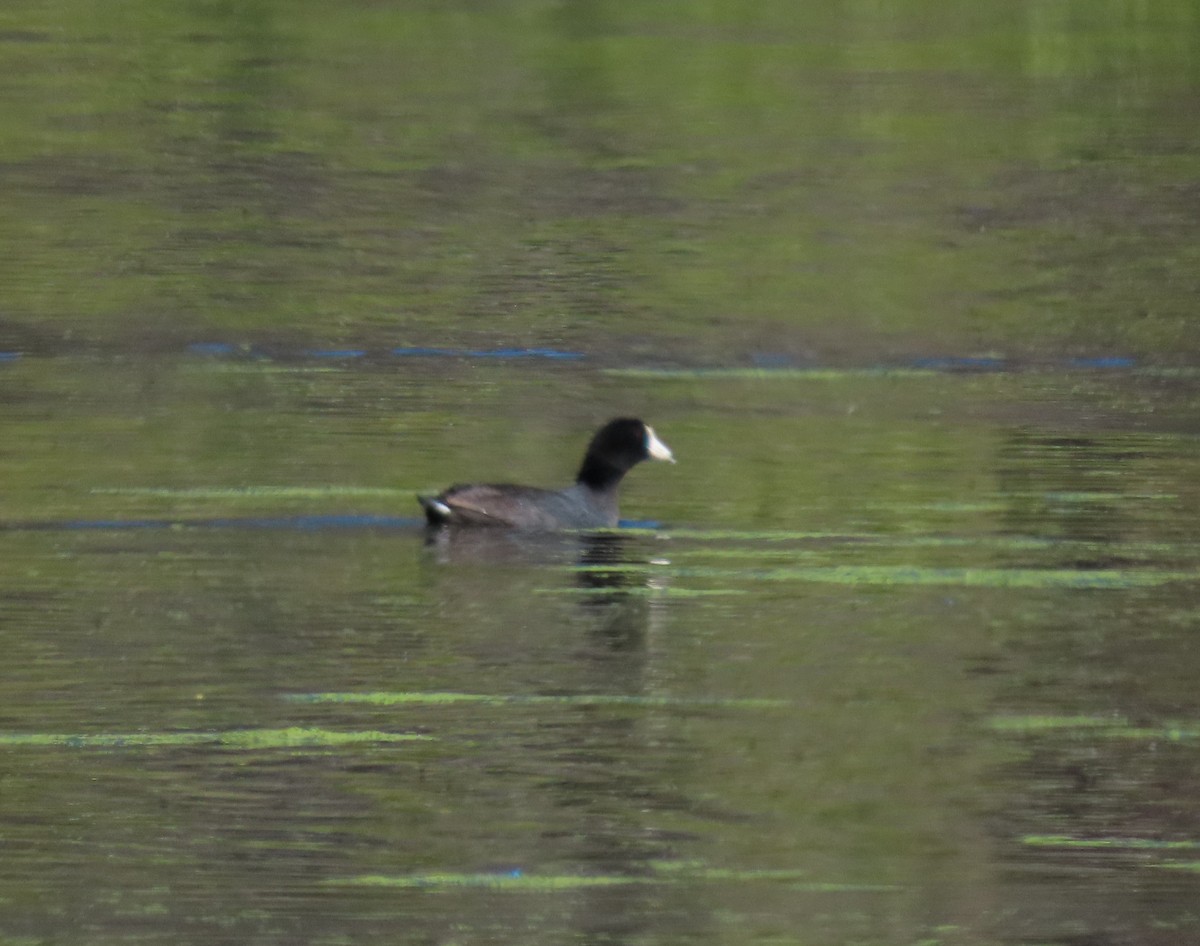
x=590, y=504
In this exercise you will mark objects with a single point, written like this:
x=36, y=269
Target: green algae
x=768, y=374
x=488, y=699
x=886, y=575
x=517, y=881
x=252, y=492
x=1036, y=723
x=294, y=737
x=1103, y=727
x=1139, y=844
x=980, y=577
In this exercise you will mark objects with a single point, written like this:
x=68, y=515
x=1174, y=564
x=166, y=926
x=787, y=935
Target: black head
x=616, y=448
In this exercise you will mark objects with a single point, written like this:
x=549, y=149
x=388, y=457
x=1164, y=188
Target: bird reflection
x=1074, y=488
x=500, y=547
x=609, y=572
x=591, y=771
x=617, y=608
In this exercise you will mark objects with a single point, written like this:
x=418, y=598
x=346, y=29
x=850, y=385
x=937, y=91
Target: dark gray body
x=523, y=507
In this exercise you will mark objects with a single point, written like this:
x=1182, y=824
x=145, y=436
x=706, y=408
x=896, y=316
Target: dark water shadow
x=601, y=774
x=611, y=595
x=608, y=567
x=500, y=547
x=610, y=578
x=1080, y=488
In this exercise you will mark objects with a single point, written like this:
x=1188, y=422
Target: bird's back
x=520, y=507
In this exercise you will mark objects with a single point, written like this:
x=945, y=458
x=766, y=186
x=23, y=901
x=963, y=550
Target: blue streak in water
x=768, y=359
x=9, y=355
x=282, y=523
x=1106, y=361
x=765, y=360
x=551, y=353
x=525, y=353
x=300, y=523
x=212, y=348
x=954, y=363
x=313, y=523
x=420, y=352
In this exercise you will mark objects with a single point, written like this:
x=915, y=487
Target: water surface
x=901, y=651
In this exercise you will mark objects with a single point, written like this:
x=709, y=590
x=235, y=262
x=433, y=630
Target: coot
x=591, y=503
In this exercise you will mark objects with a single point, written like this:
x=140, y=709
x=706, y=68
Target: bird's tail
x=436, y=511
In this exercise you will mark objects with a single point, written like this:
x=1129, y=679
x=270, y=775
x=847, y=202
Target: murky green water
x=902, y=651
x=906, y=658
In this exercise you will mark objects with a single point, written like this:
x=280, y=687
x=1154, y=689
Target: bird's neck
x=599, y=475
